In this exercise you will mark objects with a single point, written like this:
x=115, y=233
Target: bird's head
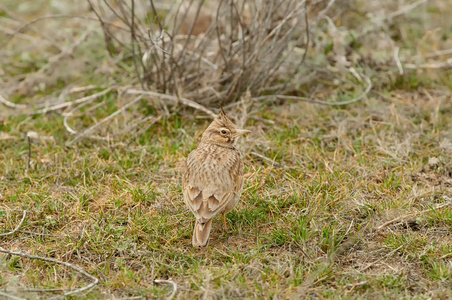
x=222, y=131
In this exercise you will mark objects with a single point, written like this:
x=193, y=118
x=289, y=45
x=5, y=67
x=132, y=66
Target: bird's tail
x=201, y=233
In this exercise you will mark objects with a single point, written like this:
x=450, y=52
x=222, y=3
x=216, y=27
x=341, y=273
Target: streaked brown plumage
x=213, y=178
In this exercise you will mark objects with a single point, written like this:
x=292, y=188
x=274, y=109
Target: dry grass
x=355, y=205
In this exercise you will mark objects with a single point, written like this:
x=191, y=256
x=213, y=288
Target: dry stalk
x=397, y=60
x=52, y=61
x=52, y=260
x=381, y=258
x=29, y=152
x=273, y=162
x=354, y=100
x=11, y=104
x=98, y=124
x=173, y=293
x=174, y=99
x=86, y=99
x=404, y=217
x=17, y=227
x=9, y=296
x=434, y=65
x=389, y=17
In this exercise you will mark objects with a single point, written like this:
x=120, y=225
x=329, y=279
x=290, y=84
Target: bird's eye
x=223, y=131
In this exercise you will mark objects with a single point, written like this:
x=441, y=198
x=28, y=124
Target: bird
x=213, y=179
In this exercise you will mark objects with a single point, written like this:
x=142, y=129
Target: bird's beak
x=241, y=132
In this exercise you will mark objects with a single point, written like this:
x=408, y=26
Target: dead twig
x=61, y=105
x=439, y=53
x=397, y=60
x=173, y=293
x=434, y=65
x=381, y=258
x=17, y=227
x=70, y=114
x=52, y=260
x=152, y=120
x=323, y=13
x=446, y=255
x=92, y=128
x=17, y=32
x=11, y=104
x=53, y=60
x=27, y=37
x=78, y=101
x=45, y=290
x=271, y=161
x=78, y=269
x=360, y=97
x=405, y=9
x=8, y=296
x=173, y=99
x=383, y=21
x=78, y=89
x=408, y=216
x=29, y=152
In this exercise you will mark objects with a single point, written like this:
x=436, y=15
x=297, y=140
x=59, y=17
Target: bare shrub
x=211, y=51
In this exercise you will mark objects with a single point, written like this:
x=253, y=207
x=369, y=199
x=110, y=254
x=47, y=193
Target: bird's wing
x=210, y=184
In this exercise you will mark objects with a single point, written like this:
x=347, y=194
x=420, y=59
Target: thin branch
x=17, y=227
x=78, y=89
x=397, y=60
x=174, y=99
x=72, y=112
x=360, y=97
x=152, y=119
x=66, y=118
x=405, y=9
x=381, y=258
x=52, y=260
x=133, y=41
x=27, y=37
x=45, y=290
x=56, y=16
x=78, y=101
x=11, y=104
x=322, y=13
x=284, y=21
x=217, y=31
x=387, y=18
x=89, y=286
x=8, y=296
x=435, y=65
x=66, y=52
x=446, y=255
x=305, y=54
x=171, y=296
x=439, y=53
x=92, y=128
x=52, y=61
x=270, y=160
x=190, y=31
x=29, y=152
x=413, y=215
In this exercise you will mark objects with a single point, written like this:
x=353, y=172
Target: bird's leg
x=224, y=223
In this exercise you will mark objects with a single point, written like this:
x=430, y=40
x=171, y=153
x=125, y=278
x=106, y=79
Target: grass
x=118, y=211
x=115, y=208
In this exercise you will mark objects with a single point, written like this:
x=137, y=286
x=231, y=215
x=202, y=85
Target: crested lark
x=213, y=178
